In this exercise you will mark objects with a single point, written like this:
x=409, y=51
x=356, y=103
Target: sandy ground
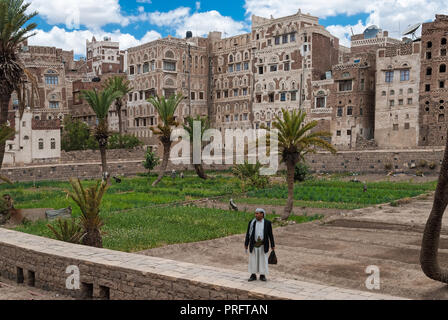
x=337, y=250
x=10, y=290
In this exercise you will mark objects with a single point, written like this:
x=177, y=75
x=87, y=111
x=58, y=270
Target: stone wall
x=106, y=274
x=94, y=155
x=88, y=170
x=373, y=161
x=368, y=161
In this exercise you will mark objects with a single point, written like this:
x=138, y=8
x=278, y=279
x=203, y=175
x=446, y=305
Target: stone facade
x=164, y=67
x=231, y=81
x=54, y=70
x=291, y=52
x=397, y=93
x=104, y=57
x=80, y=109
x=433, y=99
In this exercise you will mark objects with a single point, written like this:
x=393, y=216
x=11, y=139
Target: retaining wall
x=345, y=161
x=106, y=274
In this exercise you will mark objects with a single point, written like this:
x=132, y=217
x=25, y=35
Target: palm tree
x=295, y=140
x=89, y=201
x=166, y=109
x=123, y=86
x=100, y=103
x=13, y=32
x=431, y=235
x=188, y=126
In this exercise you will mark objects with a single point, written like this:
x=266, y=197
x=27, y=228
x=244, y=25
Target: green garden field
x=138, y=216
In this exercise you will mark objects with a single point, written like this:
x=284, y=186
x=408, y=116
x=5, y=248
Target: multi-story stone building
x=363, y=95
x=371, y=39
x=231, y=81
x=433, y=99
x=104, y=57
x=165, y=67
x=397, y=94
x=81, y=110
x=54, y=71
x=290, y=53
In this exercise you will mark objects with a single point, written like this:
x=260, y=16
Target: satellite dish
x=411, y=30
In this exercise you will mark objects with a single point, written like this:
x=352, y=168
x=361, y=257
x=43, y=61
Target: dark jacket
x=268, y=236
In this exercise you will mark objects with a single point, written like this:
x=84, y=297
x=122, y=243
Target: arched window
x=41, y=144
x=428, y=71
x=443, y=41
x=146, y=67
x=442, y=68
x=53, y=143
x=169, y=54
x=429, y=44
x=169, y=82
x=230, y=58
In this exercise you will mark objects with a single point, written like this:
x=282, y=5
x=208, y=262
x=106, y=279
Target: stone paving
x=274, y=288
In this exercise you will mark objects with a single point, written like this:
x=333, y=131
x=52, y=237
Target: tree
x=13, y=32
x=166, y=109
x=123, y=86
x=188, y=126
x=89, y=201
x=75, y=135
x=151, y=160
x=295, y=140
x=429, y=261
x=125, y=141
x=100, y=103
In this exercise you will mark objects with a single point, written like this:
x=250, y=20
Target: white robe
x=258, y=259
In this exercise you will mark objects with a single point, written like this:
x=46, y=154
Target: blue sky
x=67, y=24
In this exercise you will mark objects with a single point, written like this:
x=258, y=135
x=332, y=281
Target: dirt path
x=10, y=290
x=337, y=251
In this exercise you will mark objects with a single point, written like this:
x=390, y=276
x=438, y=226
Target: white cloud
x=200, y=23
x=144, y=1
x=204, y=22
x=150, y=36
x=170, y=18
x=76, y=39
x=344, y=32
x=391, y=15
x=91, y=13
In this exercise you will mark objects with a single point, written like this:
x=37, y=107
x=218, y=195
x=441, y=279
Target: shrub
x=419, y=173
x=249, y=175
x=128, y=141
x=388, y=166
x=432, y=165
x=67, y=230
x=301, y=172
x=151, y=160
x=422, y=163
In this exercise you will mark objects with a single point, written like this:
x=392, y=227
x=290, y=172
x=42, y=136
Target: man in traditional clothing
x=258, y=236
